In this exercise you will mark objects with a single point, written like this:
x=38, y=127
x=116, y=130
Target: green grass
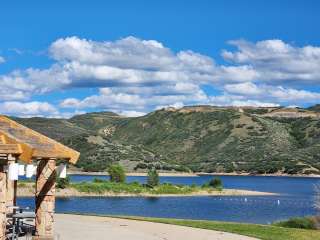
x=264, y=232
x=137, y=188
x=25, y=183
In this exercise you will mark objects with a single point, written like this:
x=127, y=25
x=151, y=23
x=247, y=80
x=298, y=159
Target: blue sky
x=61, y=58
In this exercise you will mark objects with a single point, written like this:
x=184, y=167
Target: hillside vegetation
x=198, y=138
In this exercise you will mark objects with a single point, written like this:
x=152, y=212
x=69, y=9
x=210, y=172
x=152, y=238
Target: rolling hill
x=195, y=138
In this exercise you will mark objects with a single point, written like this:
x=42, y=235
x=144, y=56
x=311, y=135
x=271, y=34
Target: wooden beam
x=72, y=157
x=10, y=149
x=45, y=198
x=26, y=151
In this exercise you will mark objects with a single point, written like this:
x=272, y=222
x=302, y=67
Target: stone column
x=11, y=187
x=45, y=198
x=3, y=190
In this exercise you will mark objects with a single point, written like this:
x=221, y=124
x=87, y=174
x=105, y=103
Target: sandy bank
x=28, y=191
x=260, y=175
x=91, y=227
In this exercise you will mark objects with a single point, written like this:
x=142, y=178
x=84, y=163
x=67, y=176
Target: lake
x=296, y=199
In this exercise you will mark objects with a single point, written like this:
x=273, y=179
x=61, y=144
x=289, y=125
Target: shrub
x=141, y=166
x=117, y=173
x=205, y=185
x=63, y=183
x=98, y=180
x=153, y=178
x=304, y=223
x=167, y=167
x=22, y=184
x=215, y=183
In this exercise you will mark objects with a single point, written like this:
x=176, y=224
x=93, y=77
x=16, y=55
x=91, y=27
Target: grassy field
x=264, y=232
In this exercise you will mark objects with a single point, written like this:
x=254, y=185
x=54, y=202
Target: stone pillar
x=3, y=190
x=11, y=187
x=45, y=198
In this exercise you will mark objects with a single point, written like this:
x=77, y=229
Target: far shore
x=187, y=174
x=136, y=174
x=28, y=191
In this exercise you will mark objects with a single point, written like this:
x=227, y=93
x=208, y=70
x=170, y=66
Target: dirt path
x=90, y=227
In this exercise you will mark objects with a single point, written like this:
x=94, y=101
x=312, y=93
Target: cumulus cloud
x=131, y=113
x=28, y=108
x=135, y=98
x=246, y=88
x=135, y=76
x=277, y=62
x=2, y=59
x=272, y=93
x=126, y=62
x=234, y=100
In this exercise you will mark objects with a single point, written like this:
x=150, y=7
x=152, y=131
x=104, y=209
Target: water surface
x=296, y=199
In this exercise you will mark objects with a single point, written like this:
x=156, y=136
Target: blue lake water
x=296, y=199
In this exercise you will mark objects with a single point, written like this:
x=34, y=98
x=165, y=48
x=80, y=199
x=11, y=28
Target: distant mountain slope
x=315, y=108
x=198, y=138
x=52, y=127
x=94, y=121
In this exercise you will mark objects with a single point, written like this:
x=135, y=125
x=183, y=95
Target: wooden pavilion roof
x=29, y=144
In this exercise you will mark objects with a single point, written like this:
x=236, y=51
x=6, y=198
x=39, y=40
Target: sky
x=62, y=58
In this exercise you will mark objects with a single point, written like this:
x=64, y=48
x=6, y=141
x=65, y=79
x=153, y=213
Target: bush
x=205, y=185
x=117, y=173
x=304, y=223
x=63, y=183
x=98, y=180
x=215, y=183
x=153, y=178
x=141, y=166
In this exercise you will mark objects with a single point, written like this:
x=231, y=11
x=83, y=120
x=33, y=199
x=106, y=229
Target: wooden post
x=45, y=198
x=3, y=190
x=11, y=187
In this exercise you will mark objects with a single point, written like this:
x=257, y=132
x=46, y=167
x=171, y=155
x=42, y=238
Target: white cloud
x=106, y=99
x=233, y=100
x=176, y=105
x=278, y=62
x=294, y=95
x=131, y=113
x=246, y=88
x=142, y=99
x=135, y=76
x=272, y=93
x=28, y=109
x=2, y=59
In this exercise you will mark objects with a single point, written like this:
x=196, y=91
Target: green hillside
x=198, y=138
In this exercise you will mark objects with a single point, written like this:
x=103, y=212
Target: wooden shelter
x=18, y=142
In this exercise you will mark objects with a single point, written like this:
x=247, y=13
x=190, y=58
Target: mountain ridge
x=202, y=138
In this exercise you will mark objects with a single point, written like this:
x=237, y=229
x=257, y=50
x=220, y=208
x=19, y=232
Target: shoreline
x=71, y=192
x=185, y=174
x=134, y=174
x=260, y=175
